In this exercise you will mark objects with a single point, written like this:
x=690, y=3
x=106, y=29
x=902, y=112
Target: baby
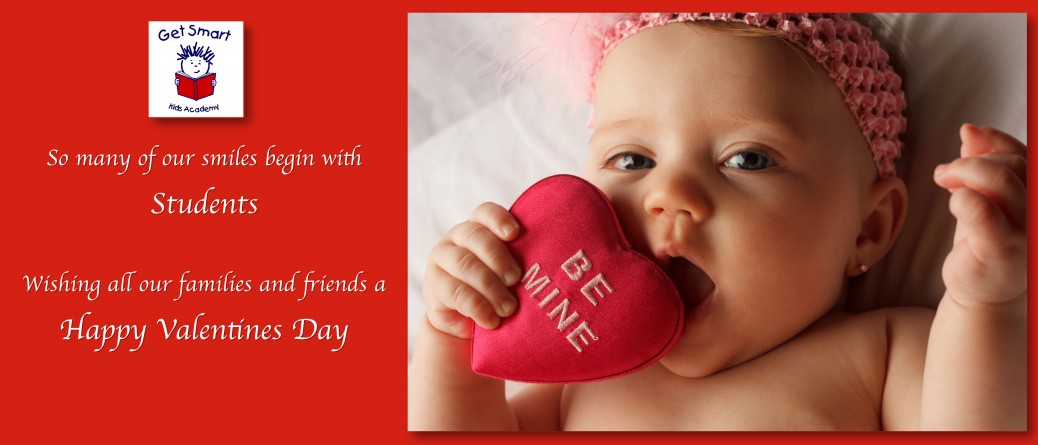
x=759, y=188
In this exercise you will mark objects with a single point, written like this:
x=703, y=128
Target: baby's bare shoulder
x=884, y=345
x=898, y=334
x=902, y=326
x=904, y=337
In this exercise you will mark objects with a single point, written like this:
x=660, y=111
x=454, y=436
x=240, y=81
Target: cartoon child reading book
x=194, y=80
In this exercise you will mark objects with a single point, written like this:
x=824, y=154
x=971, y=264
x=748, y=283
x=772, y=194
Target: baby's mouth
x=694, y=285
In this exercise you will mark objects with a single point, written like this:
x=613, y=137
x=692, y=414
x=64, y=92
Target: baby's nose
x=677, y=196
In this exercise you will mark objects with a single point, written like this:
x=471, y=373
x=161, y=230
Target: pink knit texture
x=845, y=48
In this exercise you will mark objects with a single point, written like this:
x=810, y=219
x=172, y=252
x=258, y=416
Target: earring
x=863, y=268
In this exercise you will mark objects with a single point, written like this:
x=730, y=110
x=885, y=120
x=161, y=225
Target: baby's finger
x=465, y=265
x=995, y=181
x=497, y=219
x=478, y=239
x=455, y=295
x=984, y=223
x=1015, y=163
x=979, y=140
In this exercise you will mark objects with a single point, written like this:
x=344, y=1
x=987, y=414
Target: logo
x=183, y=61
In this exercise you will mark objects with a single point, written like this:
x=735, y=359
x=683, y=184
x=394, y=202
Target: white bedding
x=473, y=137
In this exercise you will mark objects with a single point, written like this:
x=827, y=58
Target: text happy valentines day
x=108, y=336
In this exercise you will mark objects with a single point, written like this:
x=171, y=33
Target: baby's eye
x=750, y=160
x=630, y=161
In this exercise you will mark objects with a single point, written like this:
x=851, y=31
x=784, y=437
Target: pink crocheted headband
x=845, y=48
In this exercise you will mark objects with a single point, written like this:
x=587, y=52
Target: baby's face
x=736, y=165
x=194, y=66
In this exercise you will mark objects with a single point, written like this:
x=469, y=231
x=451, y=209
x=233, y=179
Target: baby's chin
x=684, y=363
x=688, y=361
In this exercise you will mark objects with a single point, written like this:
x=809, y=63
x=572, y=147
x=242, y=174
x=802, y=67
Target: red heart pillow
x=590, y=308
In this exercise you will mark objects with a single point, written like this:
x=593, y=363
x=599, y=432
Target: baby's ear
x=882, y=218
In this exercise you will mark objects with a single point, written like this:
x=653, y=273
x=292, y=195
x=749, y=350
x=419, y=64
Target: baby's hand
x=988, y=262
x=469, y=273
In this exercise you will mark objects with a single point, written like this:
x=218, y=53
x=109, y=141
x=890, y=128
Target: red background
x=347, y=87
